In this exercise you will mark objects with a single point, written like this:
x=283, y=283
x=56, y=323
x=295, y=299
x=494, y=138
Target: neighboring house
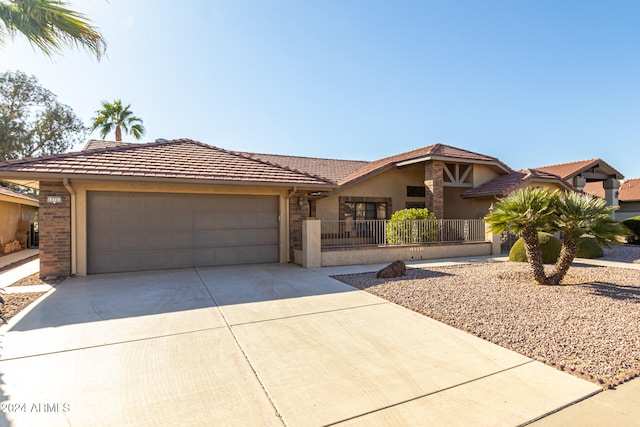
x=628, y=197
x=14, y=208
x=128, y=206
x=593, y=174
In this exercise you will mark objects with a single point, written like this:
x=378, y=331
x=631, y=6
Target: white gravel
x=589, y=327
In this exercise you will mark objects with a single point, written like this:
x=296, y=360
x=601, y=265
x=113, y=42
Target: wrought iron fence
x=345, y=233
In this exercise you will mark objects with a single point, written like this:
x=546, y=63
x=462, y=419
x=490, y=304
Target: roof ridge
x=569, y=163
x=248, y=157
x=307, y=157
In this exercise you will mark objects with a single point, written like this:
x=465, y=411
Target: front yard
x=588, y=327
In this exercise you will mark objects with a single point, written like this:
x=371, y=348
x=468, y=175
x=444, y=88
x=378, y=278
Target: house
x=15, y=208
x=628, y=197
x=122, y=207
x=592, y=175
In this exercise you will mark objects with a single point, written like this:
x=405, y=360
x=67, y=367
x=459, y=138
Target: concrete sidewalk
x=8, y=275
x=259, y=345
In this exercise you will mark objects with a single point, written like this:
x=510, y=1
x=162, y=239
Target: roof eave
x=14, y=177
x=495, y=163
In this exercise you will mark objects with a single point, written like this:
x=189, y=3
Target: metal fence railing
x=345, y=233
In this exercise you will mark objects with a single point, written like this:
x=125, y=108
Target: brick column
x=434, y=190
x=297, y=214
x=54, y=229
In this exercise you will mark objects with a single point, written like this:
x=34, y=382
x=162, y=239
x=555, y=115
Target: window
x=415, y=191
x=365, y=210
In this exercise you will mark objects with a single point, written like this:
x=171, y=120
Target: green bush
x=549, y=245
x=633, y=224
x=589, y=248
x=405, y=227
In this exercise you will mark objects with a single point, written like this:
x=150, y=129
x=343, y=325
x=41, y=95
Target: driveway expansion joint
x=429, y=394
x=68, y=350
x=293, y=316
x=244, y=353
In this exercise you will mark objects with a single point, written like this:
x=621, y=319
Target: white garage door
x=146, y=231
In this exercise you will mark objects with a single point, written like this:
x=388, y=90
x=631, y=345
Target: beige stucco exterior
x=393, y=184
x=11, y=214
x=375, y=255
x=79, y=209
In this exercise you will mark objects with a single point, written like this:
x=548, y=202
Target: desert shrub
x=589, y=248
x=406, y=226
x=633, y=224
x=549, y=245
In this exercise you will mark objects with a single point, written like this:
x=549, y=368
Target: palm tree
x=578, y=214
x=115, y=115
x=524, y=213
x=50, y=25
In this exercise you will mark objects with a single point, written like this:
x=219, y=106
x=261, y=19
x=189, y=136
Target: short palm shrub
x=589, y=248
x=550, y=246
x=633, y=224
x=407, y=226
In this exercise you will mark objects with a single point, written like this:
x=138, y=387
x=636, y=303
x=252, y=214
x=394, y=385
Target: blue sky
x=530, y=82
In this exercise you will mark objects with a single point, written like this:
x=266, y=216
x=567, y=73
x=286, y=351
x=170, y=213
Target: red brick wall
x=297, y=214
x=54, y=223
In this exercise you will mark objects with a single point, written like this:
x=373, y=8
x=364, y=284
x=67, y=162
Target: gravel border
x=588, y=327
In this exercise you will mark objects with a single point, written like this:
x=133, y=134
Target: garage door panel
x=224, y=256
x=230, y=238
x=143, y=231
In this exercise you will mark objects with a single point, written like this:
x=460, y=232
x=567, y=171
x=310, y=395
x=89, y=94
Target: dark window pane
x=415, y=191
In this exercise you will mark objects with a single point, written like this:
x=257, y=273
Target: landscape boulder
x=395, y=269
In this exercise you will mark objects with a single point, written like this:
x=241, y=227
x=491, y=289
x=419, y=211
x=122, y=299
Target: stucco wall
x=627, y=210
x=392, y=183
x=374, y=255
x=482, y=174
x=455, y=207
x=10, y=213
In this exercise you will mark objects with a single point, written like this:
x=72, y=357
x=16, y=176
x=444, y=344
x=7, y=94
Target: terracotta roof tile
x=94, y=144
x=182, y=158
x=629, y=190
x=569, y=170
x=331, y=169
x=436, y=150
x=504, y=184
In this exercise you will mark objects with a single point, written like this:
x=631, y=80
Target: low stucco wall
x=376, y=255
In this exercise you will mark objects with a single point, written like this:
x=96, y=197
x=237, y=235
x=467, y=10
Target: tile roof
x=569, y=170
x=8, y=192
x=175, y=159
x=331, y=169
x=436, y=150
x=629, y=190
x=503, y=184
x=93, y=144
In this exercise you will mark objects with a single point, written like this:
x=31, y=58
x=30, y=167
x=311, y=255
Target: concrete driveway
x=257, y=345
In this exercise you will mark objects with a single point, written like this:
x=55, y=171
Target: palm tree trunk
x=118, y=133
x=568, y=253
x=534, y=254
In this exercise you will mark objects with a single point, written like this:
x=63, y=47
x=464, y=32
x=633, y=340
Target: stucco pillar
x=311, y=243
x=579, y=182
x=611, y=187
x=434, y=190
x=494, y=239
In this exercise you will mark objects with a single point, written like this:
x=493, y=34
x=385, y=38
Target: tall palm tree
x=578, y=214
x=114, y=115
x=524, y=213
x=50, y=25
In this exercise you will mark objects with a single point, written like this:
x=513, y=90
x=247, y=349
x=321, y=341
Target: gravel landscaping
x=15, y=302
x=588, y=327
